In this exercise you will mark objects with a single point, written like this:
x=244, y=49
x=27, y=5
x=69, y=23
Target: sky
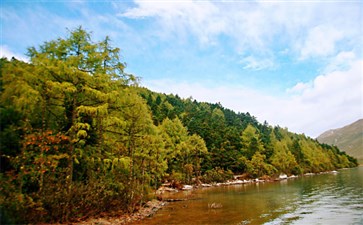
x=296, y=64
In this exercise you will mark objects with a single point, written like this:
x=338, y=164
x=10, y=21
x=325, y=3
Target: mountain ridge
x=348, y=138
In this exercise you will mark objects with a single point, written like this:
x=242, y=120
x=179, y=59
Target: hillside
x=79, y=137
x=348, y=139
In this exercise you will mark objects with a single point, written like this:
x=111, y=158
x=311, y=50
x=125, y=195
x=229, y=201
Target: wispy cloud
x=299, y=88
x=253, y=63
x=340, y=62
x=5, y=52
x=330, y=100
x=321, y=41
x=310, y=28
x=198, y=17
x=233, y=52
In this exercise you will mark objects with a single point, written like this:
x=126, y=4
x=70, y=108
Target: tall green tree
x=258, y=166
x=196, y=150
x=175, y=135
x=282, y=159
x=251, y=141
x=71, y=86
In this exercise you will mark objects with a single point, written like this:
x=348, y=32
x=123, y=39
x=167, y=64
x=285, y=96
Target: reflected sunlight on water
x=320, y=199
x=331, y=200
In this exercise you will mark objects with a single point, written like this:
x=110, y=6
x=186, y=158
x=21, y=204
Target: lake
x=318, y=199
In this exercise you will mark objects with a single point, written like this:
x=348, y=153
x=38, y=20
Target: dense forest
x=79, y=136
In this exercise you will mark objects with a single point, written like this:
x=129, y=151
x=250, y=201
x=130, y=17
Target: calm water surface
x=319, y=199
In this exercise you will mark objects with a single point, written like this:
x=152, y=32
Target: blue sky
x=297, y=64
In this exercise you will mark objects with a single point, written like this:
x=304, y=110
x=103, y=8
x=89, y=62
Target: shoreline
x=166, y=194
x=147, y=210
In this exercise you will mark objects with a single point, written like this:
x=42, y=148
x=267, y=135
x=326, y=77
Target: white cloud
x=198, y=17
x=33, y=24
x=329, y=101
x=253, y=63
x=340, y=62
x=309, y=28
x=5, y=52
x=321, y=41
x=335, y=99
x=325, y=31
x=299, y=88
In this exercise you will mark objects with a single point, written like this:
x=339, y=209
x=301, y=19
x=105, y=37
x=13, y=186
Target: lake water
x=319, y=199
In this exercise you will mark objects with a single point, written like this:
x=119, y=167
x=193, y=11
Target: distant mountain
x=348, y=139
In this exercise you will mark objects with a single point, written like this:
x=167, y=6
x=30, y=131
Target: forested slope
x=79, y=137
x=238, y=142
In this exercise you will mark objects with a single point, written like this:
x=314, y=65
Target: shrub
x=176, y=179
x=217, y=175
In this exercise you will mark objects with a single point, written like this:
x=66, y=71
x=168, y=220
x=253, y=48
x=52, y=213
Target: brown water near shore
x=321, y=199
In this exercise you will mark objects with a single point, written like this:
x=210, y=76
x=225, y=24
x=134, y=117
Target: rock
x=162, y=189
x=166, y=184
x=187, y=187
x=309, y=174
x=215, y=205
x=174, y=199
x=238, y=182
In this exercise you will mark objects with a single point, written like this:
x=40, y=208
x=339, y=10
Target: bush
x=176, y=180
x=217, y=175
x=17, y=207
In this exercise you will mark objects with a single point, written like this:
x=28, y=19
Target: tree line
x=237, y=142
x=80, y=137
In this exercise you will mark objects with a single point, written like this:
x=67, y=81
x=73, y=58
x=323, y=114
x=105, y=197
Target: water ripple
x=331, y=201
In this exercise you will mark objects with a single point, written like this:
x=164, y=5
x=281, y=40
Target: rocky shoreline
x=148, y=210
x=166, y=194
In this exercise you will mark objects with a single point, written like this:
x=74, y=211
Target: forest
x=80, y=136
